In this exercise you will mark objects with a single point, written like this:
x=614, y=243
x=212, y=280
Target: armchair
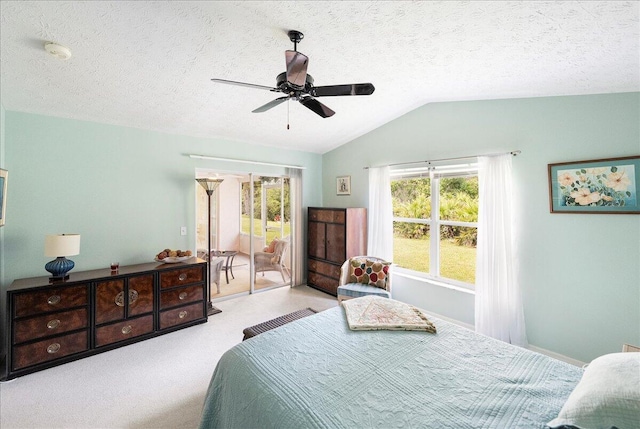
x=272, y=261
x=364, y=275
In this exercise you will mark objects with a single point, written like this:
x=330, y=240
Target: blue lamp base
x=59, y=268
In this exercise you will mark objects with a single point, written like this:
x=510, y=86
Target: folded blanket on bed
x=370, y=313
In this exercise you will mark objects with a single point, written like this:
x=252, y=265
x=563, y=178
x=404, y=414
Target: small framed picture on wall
x=343, y=185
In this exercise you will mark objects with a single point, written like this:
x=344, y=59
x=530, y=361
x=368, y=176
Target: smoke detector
x=58, y=51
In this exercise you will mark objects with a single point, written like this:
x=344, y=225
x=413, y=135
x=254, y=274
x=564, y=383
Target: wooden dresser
x=333, y=235
x=95, y=311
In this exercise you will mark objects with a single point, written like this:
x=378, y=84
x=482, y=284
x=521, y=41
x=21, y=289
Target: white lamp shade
x=62, y=245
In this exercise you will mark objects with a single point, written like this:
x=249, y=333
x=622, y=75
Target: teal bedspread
x=316, y=373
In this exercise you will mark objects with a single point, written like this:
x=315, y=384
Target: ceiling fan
x=296, y=84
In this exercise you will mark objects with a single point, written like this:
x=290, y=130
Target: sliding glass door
x=250, y=232
x=271, y=222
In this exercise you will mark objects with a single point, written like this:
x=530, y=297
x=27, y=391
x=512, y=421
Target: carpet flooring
x=157, y=383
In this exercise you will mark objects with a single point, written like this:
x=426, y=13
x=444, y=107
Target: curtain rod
x=213, y=158
x=513, y=152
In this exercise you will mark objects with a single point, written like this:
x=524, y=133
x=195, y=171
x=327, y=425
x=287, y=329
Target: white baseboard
x=540, y=350
x=558, y=356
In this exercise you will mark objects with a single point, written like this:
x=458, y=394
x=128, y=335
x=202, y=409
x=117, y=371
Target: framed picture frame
x=595, y=186
x=343, y=185
x=3, y=195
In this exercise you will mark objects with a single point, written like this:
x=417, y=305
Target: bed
x=317, y=373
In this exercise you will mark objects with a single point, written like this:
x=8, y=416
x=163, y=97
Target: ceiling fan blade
x=333, y=90
x=317, y=107
x=270, y=104
x=248, y=85
x=297, y=63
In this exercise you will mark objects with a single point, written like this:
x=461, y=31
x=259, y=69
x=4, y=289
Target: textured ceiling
x=149, y=64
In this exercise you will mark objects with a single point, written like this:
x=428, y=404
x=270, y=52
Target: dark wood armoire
x=333, y=235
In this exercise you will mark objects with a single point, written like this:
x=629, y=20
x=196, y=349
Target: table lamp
x=61, y=245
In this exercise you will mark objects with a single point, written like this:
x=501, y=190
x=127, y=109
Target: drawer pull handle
x=53, y=324
x=54, y=299
x=182, y=277
x=53, y=348
x=133, y=296
x=182, y=296
x=127, y=329
x=182, y=314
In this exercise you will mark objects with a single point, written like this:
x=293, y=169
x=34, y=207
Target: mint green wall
x=2, y=119
x=126, y=191
x=3, y=303
x=580, y=274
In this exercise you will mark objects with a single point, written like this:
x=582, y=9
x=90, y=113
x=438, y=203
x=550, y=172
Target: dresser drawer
x=184, y=295
x=53, y=299
x=329, y=216
x=50, y=349
x=325, y=283
x=181, y=277
x=181, y=315
x=124, y=330
x=51, y=324
x=328, y=270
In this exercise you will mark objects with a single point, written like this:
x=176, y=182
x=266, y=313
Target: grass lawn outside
x=456, y=262
x=257, y=228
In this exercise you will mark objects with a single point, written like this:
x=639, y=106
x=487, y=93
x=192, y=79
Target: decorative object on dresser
x=61, y=245
x=210, y=185
x=99, y=310
x=334, y=235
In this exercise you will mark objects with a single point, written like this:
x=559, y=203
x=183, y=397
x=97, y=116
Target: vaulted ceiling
x=148, y=64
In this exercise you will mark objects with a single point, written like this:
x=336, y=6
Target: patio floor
x=241, y=282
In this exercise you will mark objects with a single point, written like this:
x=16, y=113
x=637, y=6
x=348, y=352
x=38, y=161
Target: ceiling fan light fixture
x=296, y=84
x=58, y=51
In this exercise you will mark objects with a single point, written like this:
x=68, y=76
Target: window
x=435, y=215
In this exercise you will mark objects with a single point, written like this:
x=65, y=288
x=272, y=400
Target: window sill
x=402, y=272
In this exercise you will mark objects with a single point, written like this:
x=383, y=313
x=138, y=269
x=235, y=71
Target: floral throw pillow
x=369, y=272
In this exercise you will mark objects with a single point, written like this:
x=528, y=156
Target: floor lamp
x=209, y=185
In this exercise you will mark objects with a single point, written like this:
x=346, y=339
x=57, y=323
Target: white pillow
x=607, y=396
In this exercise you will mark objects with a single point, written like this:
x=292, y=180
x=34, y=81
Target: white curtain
x=297, y=220
x=498, y=305
x=380, y=214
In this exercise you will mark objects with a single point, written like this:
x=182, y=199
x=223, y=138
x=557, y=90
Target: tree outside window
x=435, y=222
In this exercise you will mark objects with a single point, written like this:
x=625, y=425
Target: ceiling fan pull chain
x=288, y=104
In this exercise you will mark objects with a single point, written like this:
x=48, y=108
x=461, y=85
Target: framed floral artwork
x=343, y=185
x=595, y=186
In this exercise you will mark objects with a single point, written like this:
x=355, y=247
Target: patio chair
x=272, y=261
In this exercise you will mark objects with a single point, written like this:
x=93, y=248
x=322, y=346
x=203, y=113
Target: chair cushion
x=369, y=272
x=272, y=246
x=355, y=290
